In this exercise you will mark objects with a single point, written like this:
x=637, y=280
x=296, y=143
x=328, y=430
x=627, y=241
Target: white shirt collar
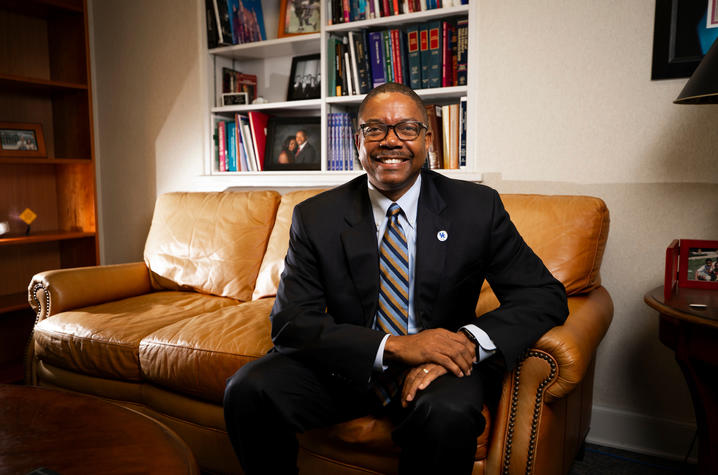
x=408, y=202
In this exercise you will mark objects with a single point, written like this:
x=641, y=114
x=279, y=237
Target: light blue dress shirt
x=409, y=202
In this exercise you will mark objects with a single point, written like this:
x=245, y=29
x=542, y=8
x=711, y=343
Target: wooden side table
x=73, y=433
x=693, y=334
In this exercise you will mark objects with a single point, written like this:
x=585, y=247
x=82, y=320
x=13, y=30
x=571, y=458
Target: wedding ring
x=426, y=371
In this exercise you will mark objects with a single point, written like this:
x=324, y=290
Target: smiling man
x=375, y=309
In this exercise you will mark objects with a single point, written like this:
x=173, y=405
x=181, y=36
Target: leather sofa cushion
x=273, y=261
x=195, y=356
x=103, y=340
x=210, y=242
x=366, y=442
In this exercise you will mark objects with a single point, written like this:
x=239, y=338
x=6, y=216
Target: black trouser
x=269, y=400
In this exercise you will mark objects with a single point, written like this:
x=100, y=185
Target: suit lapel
x=362, y=254
x=430, y=250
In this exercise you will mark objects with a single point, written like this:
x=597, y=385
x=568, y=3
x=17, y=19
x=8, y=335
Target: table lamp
x=702, y=87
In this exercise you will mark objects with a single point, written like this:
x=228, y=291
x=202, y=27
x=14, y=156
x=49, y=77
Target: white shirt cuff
x=379, y=360
x=486, y=345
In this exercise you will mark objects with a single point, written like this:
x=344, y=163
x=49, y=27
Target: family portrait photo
x=20, y=139
x=703, y=264
x=293, y=144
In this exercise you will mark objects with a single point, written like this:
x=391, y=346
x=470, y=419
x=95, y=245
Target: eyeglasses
x=405, y=130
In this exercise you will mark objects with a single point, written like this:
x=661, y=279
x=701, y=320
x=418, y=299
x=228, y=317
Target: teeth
x=392, y=160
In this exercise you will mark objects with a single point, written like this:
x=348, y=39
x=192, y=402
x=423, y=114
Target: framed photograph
x=234, y=98
x=712, y=19
x=305, y=78
x=680, y=37
x=21, y=140
x=293, y=143
x=698, y=265
x=298, y=17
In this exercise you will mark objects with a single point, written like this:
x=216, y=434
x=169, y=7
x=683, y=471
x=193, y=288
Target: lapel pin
x=442, y=235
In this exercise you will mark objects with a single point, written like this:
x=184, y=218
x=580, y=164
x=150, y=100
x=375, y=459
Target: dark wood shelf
x=43, y=236
x=42, y=8
x=45, y=161
x=14, y=83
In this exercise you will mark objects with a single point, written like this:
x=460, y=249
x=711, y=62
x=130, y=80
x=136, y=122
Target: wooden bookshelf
x=45, y=79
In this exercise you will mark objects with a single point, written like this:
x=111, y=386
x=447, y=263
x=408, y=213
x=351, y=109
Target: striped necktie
x=393, y=314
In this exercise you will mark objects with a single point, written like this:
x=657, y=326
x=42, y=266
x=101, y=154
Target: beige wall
x=566, y=106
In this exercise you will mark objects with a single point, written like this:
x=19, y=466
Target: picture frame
x=671, y=281
x=234, y=98
x=298, y=17
x=304, y=78
x=20, y=139
x=694, y=268
x=680, y=37
x=282, y=154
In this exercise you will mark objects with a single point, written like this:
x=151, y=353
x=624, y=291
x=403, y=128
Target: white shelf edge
x=298, y=179
x=398, y=19
x=293, y=105
x=270, y=48
x=433, y=93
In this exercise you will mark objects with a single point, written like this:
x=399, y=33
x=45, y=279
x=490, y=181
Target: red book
x=385, y=9
x=396, y=56
x=445, y=55
x=258, y=126
x=396, y=7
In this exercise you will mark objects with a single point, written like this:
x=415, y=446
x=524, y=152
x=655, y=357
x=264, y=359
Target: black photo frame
x=280, y=154
x=676, y=42
x=305, y=78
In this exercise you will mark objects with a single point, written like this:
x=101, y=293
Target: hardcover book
x=462, y=50
x=434, y=69
x=376, y=55
x=424, y=55
x=258, y=127
x=412, y=35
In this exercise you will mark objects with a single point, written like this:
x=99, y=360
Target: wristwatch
x=473, y=340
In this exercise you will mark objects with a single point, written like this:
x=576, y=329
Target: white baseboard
x=642, y=434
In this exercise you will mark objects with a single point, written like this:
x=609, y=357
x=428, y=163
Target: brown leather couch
x=161, y=336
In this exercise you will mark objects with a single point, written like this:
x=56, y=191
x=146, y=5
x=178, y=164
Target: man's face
x=300, y=138
x=392, y=164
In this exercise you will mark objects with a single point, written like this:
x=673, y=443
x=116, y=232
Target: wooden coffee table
x=71, y=433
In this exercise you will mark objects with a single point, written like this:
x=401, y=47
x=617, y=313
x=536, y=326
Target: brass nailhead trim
x=537, y=410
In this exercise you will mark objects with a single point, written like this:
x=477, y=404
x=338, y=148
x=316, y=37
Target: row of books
x=239, y=144
x=344, y=11
x=448, y=123
x=342, y=153
x=231, y=22
x=429, y=55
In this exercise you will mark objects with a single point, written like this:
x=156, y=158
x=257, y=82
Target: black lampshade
x=702, y=87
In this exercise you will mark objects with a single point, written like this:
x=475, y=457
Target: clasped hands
x=430, y=354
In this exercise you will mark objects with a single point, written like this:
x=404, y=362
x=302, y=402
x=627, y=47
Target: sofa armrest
x=55, y=291
x=573, y=344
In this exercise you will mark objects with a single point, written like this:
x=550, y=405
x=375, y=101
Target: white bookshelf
x=271, y=61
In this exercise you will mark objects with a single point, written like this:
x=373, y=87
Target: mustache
x=392, y=154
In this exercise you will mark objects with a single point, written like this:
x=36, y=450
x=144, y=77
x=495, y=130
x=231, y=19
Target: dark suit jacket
x=328, y=293
x=307, y=155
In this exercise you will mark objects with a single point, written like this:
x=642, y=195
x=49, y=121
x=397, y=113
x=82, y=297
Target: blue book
x=233, y=9
x=376, y=55
x=231, y=147
x=434, y=55
x=252, y=20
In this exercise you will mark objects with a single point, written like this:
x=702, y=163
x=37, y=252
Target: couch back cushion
x=210, y=242
x=567, y=232
x=273, y=262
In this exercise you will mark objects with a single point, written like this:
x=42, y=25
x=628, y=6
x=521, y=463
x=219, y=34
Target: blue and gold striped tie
x=393, y=313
